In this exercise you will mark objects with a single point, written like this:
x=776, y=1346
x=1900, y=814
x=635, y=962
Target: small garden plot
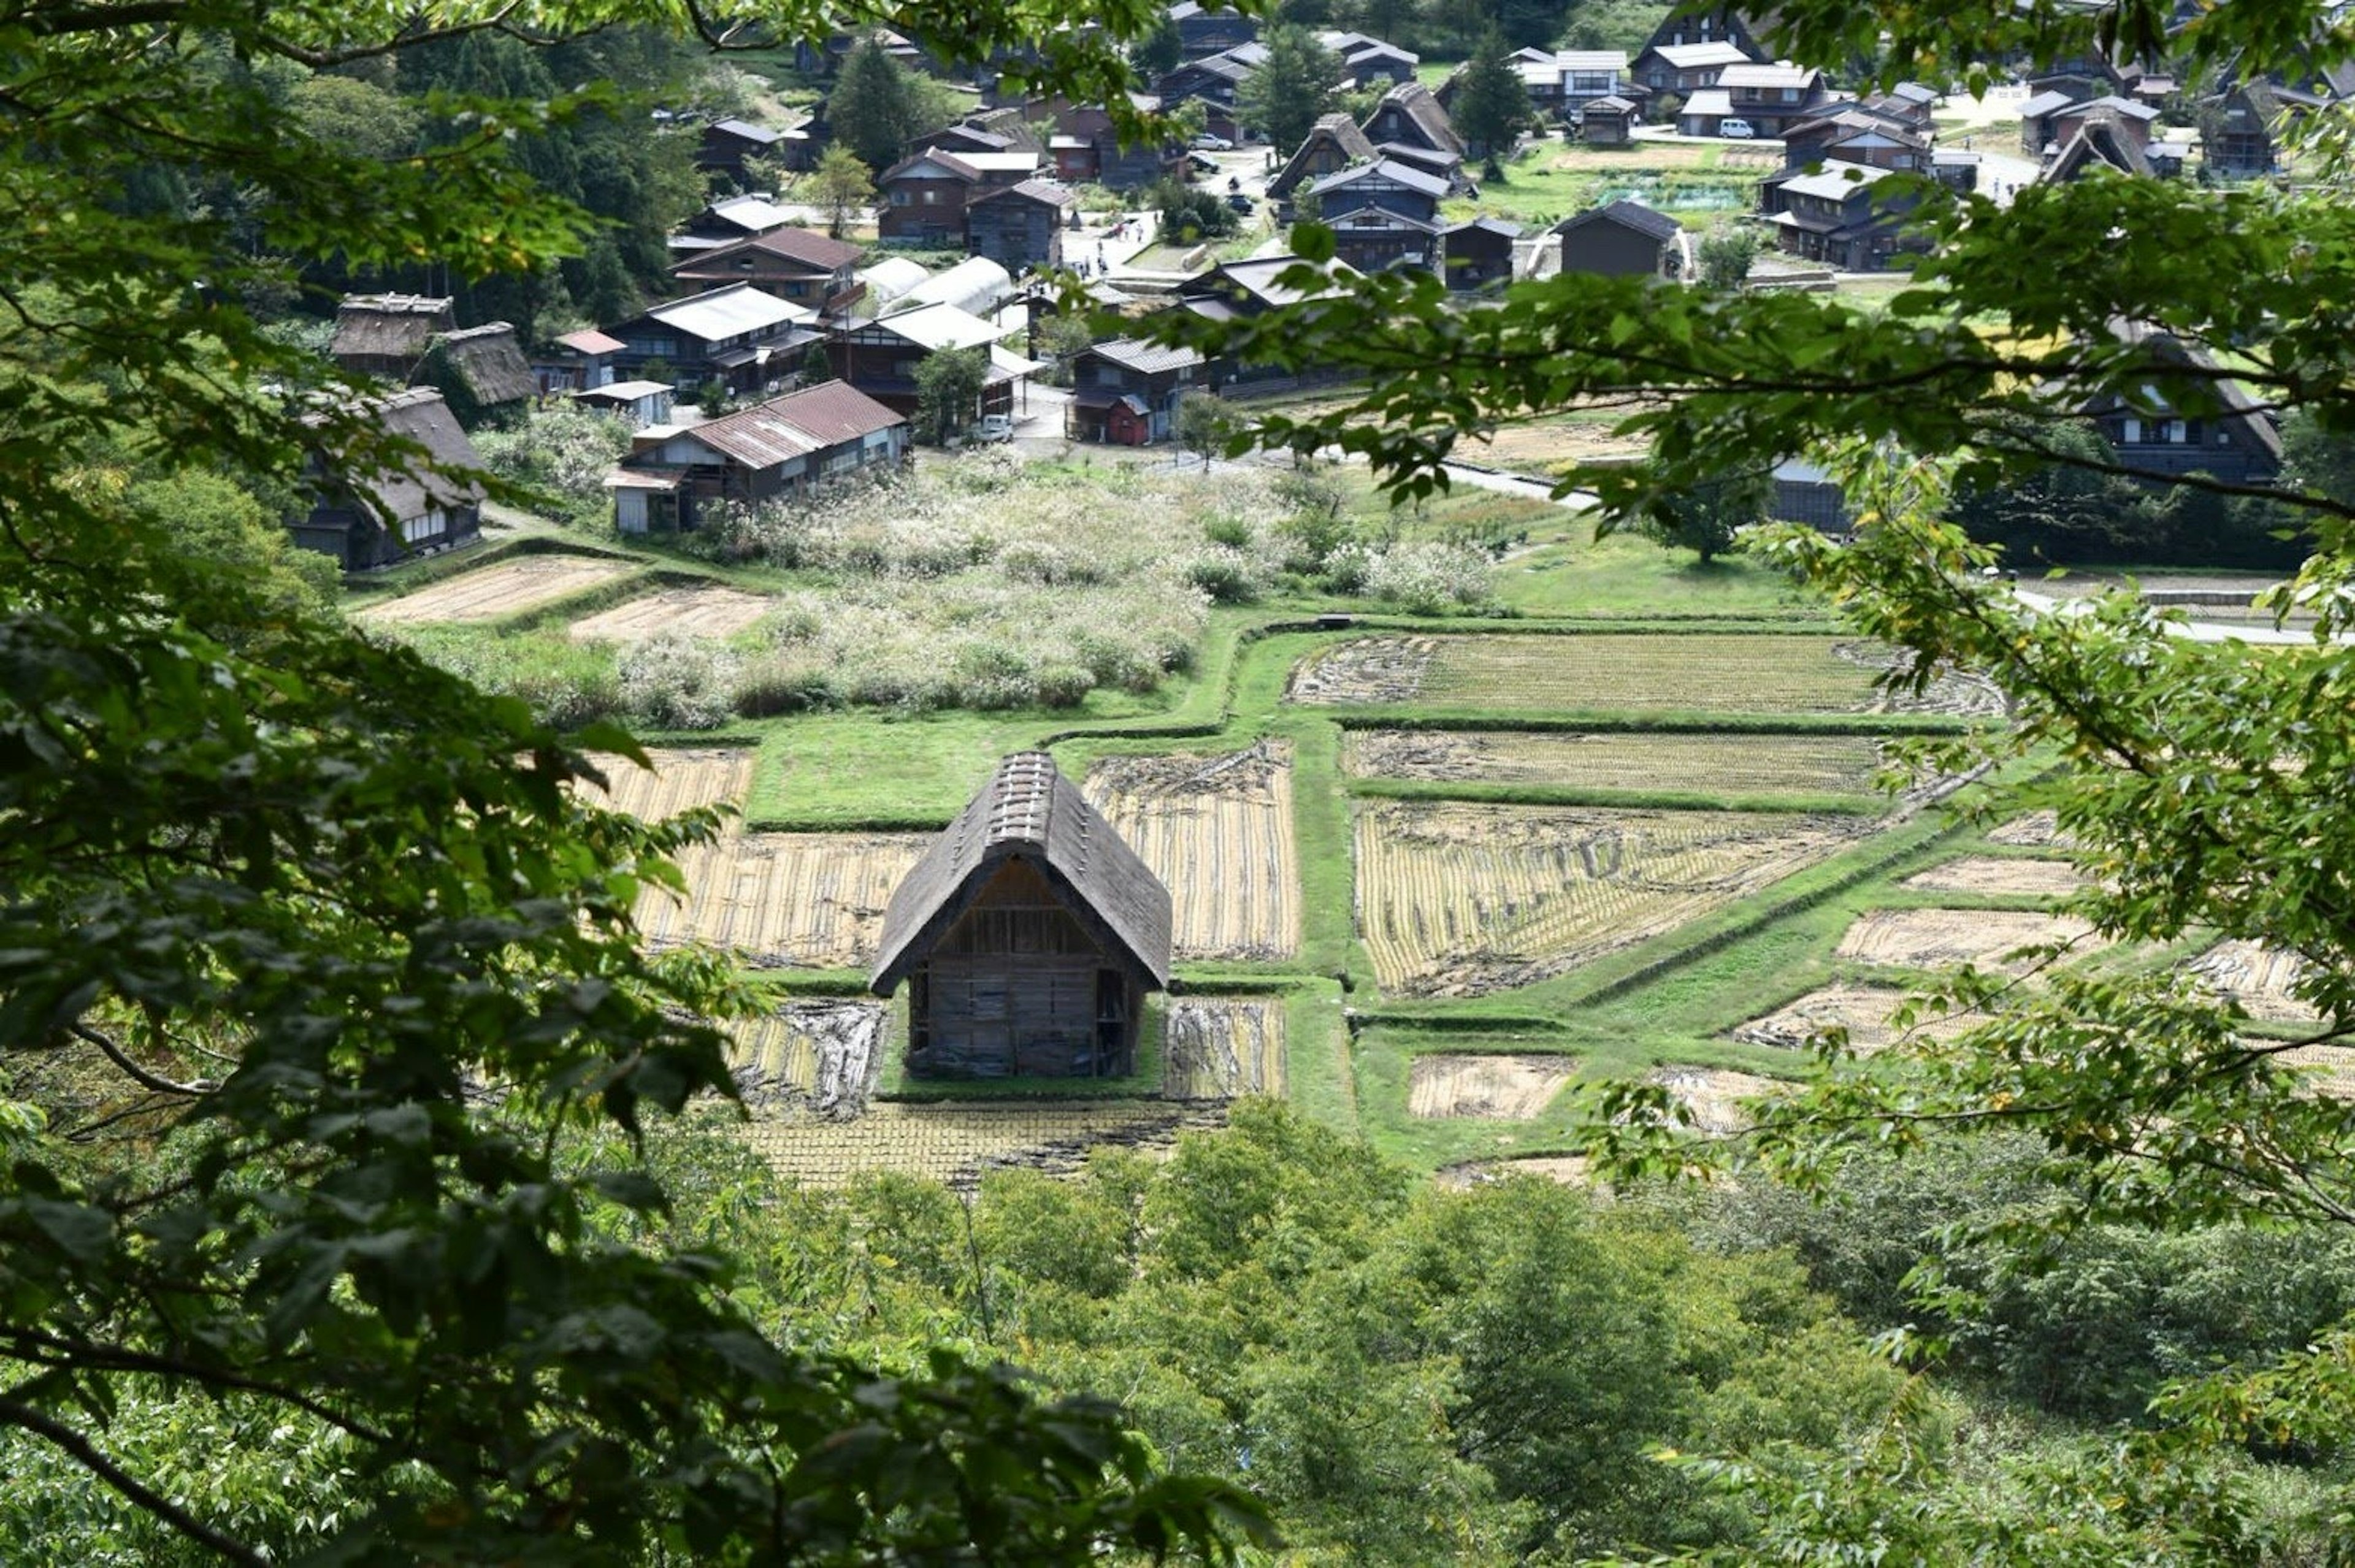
x=1999, y=874
x=960, y=1142
x=496, y=592
x=818, y=1054
x=778, y=898
x=1458, y=899
x=2036, y=830
x=1217, y=831
x=1737, y=764
x=1717, y=1099
x=1704, y=672
x=1863, y=1010
x=1216, y=1048
x=679, y=780
x=1943, y=938
x=1497, y=1088
x=2257, y=978
x=710, y=612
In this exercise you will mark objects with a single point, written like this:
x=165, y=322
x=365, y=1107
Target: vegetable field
x=689, y=611
x=1999, y=874
x=1458, y=899
x=1217, y=831
x=1863, y=1010
x=1497, y=1088
x=1735, y=765
x=679, y=780
x=1941, y=938
x=820, y=1055
x=778, y=898
x=1702, y=672
x=493, y=593
x=1216, y=1048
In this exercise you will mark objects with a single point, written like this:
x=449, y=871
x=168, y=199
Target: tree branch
x=139, y=1074
x=27, y=1419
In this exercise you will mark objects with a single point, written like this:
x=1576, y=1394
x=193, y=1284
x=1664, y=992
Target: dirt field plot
x=960, y=1142
x=1863, y=1010
x=2036, y=830
x=2259, y=978
x=1707, y=672
x=695, y=611
x=1456, y=898
x=1569, y=1170
x=1999, y=874
x=818, y=1054
x=1740, y=764
x=505, y=589
x=1217, y=830
x=680, y=781
x=778, y=899
x=1716, y=1096
x=1215, y=1048
x=1499, y=1088
x=1941, y=938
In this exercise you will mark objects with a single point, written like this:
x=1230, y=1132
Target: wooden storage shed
x=1030, y=936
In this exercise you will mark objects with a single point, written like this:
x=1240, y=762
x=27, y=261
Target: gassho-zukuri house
x=1028, y=934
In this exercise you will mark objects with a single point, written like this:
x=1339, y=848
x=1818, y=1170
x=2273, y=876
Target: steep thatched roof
x=490, y=361
x=1030, y=812
x=387, y=326
x=416, y=487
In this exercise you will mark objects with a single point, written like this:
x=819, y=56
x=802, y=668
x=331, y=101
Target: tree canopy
x=1283, y=98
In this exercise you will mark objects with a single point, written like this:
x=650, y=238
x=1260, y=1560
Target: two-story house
x=1210, y=29
x=1332, y=144
x=1126, y=391
x=1683, y=69
x=1366, y=60
x=1590, y=74
x=1409, y=116
x=1685, y=24
x=786, y=446
x=1772, y=98
x=2186, y=419
x=1854, y=135
x=1239, y=291
x=365, y=517
x=1021, y=226
x=1835, y=216
x=736, y=334
x=920, y=200
x=1384, y=184
x=881, y=356
x=811, y=269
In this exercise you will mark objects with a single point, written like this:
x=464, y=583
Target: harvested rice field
x=1458, y=899
x=778, y=899
x=493, y=592
x=710, y=612
x=2034, y=830
x=1999, y=874
x=1495, y=1087
x=1567, y=1170
x=1217, y=831
x=1714, y=1097
x=1863, y=1010
x=961, y=1143
x=679, y=780
x=2259, y=978
x=1943, y=938
x=1707, y=672
x=2329, y=1069
x=1761, y=764
x=1216, y=1048
x=821, y=1055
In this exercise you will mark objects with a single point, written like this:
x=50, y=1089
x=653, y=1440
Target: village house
x=1590, y=74
x=1126, y=391
x=637, y=404
x=673, y=476
x=2059, y=123
x=1028, y=936
x=729, y=145
x=365, y=518
x=1020, y=226
x=1233, y=291
x=1373, y=240
x=1210, y=29
x=1854, y=135
x=1683, y=26
x=1624, y=240
x=2239, y=142
x=2101, y=142
x=481, y=371
x=1478, y=251
x=736, y=334
x=1836, y=218
x=1366, y=60
x=1608, y=122
x=1083, y=149
x=1771, y=98
x=921, y=199
x=1332, y=144
x=1541, y=79
x=1212, y=81
x=880, y=356
x=1806, y=493
x=386, y=334
x=1386, y=183
x=1410, y=116
x=1684, y=69
x=799, y=265
x=577, y=360
x=2227, y=435
x=729, y=221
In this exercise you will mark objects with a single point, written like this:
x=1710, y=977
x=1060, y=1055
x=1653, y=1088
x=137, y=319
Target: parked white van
x=1738, y=130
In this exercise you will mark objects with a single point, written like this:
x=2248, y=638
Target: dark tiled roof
x=1030, y=810
x=1632, y=214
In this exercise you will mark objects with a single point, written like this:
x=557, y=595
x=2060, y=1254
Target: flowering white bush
x=1429, y=579
x=673, y=682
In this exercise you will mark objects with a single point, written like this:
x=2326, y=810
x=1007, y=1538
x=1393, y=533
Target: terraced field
x=1699, y=672
x=1863, y=1010
x=493, y=592
x=1217, y=831
x=711, y=612
x=814, y=900
x=1511, y=1088
x=1737, y=764
x=961, y=1143
x=818, y=1054
x=2259, y=978
x=1456, y=898
x=1945, y=938
x=1215, y=1048
x=2000, y=874
x=679, y=780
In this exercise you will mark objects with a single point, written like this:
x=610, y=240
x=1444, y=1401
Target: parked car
x=995, y=427
x=1736, y=130
x=1208, y=142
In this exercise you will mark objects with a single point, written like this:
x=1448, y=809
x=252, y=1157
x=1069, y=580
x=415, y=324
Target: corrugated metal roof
x=592, y=341
x=940, y=326
x=1777, y=75
x=1836, y=182
x=1146, y=358
x=726, y=312
x=1030, y=812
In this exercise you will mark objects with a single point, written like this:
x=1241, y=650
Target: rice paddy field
x=1437, y=875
